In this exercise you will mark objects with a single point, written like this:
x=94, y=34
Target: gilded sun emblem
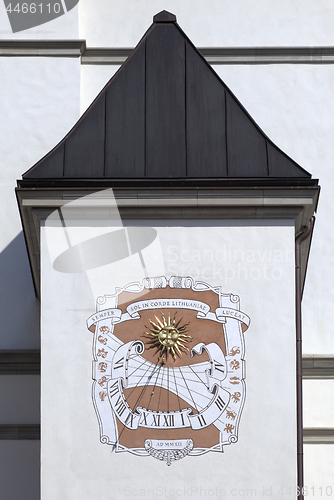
x=168, y=337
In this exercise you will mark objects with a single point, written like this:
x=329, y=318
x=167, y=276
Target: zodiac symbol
x=104, y=329
x=234, y=364
x=102, y=353
x=102, y=380
x=103, y=367
x=235, y=350
x=235, y=380
x=230, y=414
x=102, y=395
x=101, y=339
x=236, y=396
x=229, y=428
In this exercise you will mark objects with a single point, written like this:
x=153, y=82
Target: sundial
x=168, y=368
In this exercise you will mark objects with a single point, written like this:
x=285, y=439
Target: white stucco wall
x=265, y=285
x=211, y=23
x=39, y=104
x=318, y=463
x=318, y=402
x=93, y=79
x=294, y=106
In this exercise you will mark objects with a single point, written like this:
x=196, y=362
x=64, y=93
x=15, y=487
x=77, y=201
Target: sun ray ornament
x=168, y=337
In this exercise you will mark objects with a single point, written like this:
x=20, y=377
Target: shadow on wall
x=19, y=307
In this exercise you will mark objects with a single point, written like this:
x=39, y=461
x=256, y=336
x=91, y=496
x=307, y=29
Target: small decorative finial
x=164, y=17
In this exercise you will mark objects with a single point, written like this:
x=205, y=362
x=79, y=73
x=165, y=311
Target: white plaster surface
x=294, y=106
x=318, y=401
x=19, y=471
x=75, y=462
x=93, y=79
x=39, y=104
x=319, y=466
x=20, y=397
x=211, y=23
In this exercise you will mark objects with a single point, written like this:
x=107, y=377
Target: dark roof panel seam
x=105, y=136
x=186, y=107
x=64, y=156
x=226, y=135
x=145, y=110
x=267, y=157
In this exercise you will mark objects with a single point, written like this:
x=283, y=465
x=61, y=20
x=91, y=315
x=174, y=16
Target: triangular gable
x=165, y=114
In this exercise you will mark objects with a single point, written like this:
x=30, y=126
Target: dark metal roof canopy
x=173, y=142
x=164, y=115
